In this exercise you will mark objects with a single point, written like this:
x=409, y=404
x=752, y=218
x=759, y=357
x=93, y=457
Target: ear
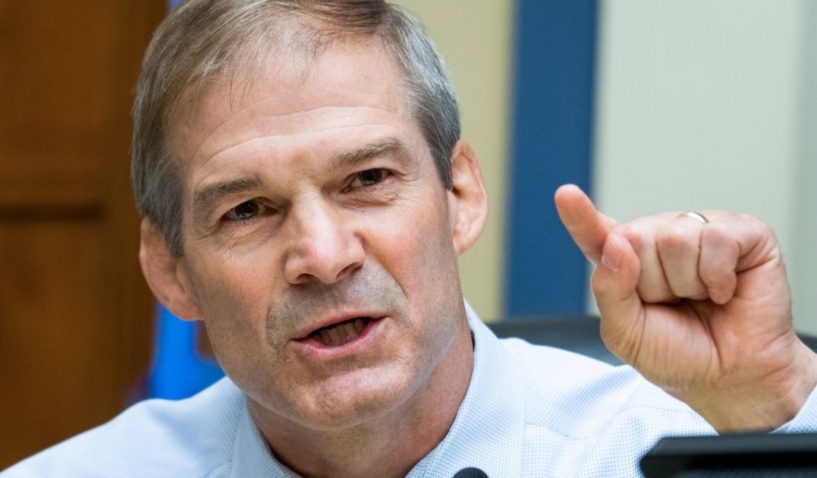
x=469, y=203
x=164, y=274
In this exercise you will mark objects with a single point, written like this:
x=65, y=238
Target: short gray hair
x=202, y=41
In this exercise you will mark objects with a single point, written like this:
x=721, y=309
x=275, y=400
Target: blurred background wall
x=695, y=104
x=475, y=38
x=711, y=104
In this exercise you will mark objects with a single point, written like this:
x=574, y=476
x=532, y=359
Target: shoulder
x=576, y=396
x=192, y=437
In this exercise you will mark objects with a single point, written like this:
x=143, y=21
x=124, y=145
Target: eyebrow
x=204, y=198
x=369, y=151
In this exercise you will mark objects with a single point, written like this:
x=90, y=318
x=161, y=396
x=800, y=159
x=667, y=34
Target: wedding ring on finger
x=695, y=215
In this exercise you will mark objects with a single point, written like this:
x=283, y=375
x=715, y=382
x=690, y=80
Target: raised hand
x=700, y=305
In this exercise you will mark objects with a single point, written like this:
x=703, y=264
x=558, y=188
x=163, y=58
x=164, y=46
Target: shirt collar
x=251, y=454
x=487, y=432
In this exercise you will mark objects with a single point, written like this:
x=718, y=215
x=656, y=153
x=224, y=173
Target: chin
x=347, y=402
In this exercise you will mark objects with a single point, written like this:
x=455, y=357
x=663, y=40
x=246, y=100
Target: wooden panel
x=44, y=199
x=55, y=349
x=58, y=90
x=75, y=315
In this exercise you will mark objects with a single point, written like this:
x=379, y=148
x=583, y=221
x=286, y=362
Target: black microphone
x=470, y=472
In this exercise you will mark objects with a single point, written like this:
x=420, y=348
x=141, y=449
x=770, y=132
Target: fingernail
x=609, y=263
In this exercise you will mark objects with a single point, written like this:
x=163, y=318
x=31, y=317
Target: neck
x=389, y=446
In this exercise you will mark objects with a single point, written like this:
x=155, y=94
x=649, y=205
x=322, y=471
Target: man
x=306, y=195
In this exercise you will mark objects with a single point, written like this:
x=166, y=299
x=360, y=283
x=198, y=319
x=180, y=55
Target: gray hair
x=204, y=41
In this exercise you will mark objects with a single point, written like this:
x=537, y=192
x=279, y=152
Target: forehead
x=288, y=93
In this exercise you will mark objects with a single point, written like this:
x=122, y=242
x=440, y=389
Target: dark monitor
x=733, y=455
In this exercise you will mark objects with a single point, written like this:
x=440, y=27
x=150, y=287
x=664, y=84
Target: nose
x=323, y=246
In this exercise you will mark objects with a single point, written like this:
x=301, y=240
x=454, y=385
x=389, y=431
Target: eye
x=244, y=211
x=370, y=177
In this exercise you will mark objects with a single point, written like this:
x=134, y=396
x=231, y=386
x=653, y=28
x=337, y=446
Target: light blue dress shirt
x=529, y=411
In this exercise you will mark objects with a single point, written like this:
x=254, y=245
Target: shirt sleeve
x=806, y=418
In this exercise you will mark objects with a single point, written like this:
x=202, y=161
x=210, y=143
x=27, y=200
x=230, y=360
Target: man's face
x=318, y=244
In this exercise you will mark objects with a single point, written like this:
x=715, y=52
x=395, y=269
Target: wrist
x=763, y=404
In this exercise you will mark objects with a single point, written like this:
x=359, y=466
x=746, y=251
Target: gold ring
x=695, y=215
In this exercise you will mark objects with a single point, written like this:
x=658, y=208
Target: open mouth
x=341, y=333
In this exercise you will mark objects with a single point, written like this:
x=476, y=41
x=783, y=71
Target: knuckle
x=676, y=238
x=635, y=233
x=717, y=230
x=633, y=229
x=757, y=223
x=748, y=217
x=766, y=230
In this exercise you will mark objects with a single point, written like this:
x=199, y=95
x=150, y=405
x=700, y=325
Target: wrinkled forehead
x=235, y=72
x=286, y=93
x=282, y=82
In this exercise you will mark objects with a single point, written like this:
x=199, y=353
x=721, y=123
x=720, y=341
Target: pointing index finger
x=587, y=226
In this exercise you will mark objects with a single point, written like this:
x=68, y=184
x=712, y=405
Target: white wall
x=803, y=267
x=474, y=37
x=709, y=104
